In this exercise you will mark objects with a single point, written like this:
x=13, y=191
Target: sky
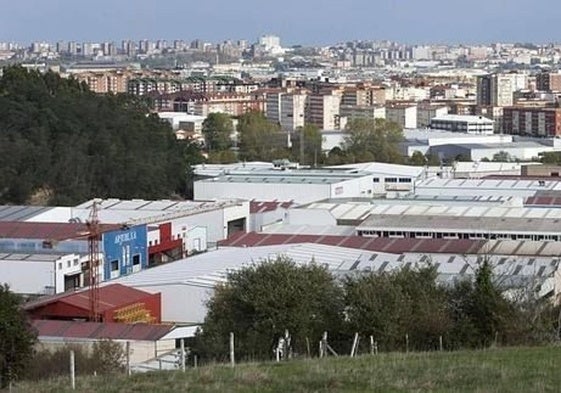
x=305, y=22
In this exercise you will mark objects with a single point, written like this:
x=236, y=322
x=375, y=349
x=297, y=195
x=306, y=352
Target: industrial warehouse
x=159, y=261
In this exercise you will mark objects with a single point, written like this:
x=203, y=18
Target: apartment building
x=402, y=113
x=428, y=111
x=363, y=95
x=323, y=110
x=548, y=81
x=287, y=109
x=544, y=122
x=498, y=89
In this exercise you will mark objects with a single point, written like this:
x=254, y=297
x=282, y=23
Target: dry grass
x=515, y=370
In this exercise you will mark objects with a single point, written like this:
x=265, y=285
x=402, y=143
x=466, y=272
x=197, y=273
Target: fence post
x=441, y=344
x=128, y=350
x=195, y=361
x=406, y=343
x=232, y=354
x=183, y=354
x=72, y=370
x=371, y=345
x=308, y=347
x=375, y=347
x=354, y=347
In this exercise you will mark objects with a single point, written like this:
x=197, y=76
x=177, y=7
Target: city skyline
x=309, y=23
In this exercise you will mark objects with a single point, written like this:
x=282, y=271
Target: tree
x=259, y=138
x=259, y=302
x=306, y=144
x=374, y=140
x=60, y=140
x=217, y=129
x=501, y=156
x=418, y=159
x=390, y=305
x=17, y=338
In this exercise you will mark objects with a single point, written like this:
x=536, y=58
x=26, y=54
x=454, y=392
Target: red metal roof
x=389, y=245
x=262, y=207
x=99, y=331
x=543, y=200
x=110, y=297
x=47, y=230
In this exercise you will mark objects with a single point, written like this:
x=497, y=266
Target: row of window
x=459, y=235
x=115, y=262
x=393, y=180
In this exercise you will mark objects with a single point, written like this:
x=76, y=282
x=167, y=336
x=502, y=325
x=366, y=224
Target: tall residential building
x=544, y=122
x=363, y=96
x=322, y=110
x=498, y=89
x=286, y=109
x=548, y=81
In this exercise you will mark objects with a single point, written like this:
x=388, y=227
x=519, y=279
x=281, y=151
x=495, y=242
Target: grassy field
x=524, y=370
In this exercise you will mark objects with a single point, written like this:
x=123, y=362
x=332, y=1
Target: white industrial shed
x=41, y=274
x=186, y=285
x=298, y=186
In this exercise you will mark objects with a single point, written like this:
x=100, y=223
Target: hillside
x=504, y=370
x=62, y=144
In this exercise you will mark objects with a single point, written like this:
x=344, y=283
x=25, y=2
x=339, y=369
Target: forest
x=61, y=144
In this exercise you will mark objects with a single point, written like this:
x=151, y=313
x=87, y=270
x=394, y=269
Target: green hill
x=524, y=370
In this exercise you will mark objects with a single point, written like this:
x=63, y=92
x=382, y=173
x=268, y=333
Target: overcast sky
x=295, y=21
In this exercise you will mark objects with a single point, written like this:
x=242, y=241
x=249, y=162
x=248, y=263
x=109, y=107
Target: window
x=68, y=263
x=375, y=180
x=60, y=266
x=404, y=180
x=115, y=265
x=136, y=260
x=391, y=179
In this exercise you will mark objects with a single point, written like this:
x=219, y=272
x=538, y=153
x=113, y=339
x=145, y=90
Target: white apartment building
x=403, y=114
x=322, y=110
x=287, y=109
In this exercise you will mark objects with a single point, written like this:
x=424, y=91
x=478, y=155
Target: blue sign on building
x=125, y=251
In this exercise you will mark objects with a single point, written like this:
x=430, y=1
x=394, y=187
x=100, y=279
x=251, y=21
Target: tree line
x=259, y=139
x=62, y=144
x=406, y=308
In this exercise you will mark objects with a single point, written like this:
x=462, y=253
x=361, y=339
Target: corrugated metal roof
x=110, y=297
x=46, y=230
x=100, y=331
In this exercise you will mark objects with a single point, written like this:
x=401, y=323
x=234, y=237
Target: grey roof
x=20, y=213
x=462, y=224
x=288, y=177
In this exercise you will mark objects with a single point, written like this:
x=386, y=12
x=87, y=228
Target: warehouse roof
x=49, y=258
x=473, y=224
x=489, y=184
x=100, y=331
x=288, y=177
x=110, y=297
x=263, y=207
x=47, y=230
x=381, y=168
x=20, y=213
x=387, y=245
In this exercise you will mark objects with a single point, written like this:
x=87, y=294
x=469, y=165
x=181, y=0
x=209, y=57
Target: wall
x=124, y=246
x=299, y=193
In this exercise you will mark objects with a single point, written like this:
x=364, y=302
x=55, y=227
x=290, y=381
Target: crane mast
x=93, y=265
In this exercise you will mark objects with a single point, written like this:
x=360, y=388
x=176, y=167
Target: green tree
x=418, y=159
x=374, y=140
x=306, y=144
x=17, y=338
x=501, y=156
x=390, y=305
x=58, y=139
x=259, y=138
x=217, y=129
x=259, y=302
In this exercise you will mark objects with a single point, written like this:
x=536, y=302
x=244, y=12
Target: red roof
x=110, y=297
x=389, y=245
x=543, y=200
x=98, y=331
x=262, y=207
x=47, y=230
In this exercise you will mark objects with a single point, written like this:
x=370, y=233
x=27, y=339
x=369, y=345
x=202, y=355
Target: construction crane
x=93, y=235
